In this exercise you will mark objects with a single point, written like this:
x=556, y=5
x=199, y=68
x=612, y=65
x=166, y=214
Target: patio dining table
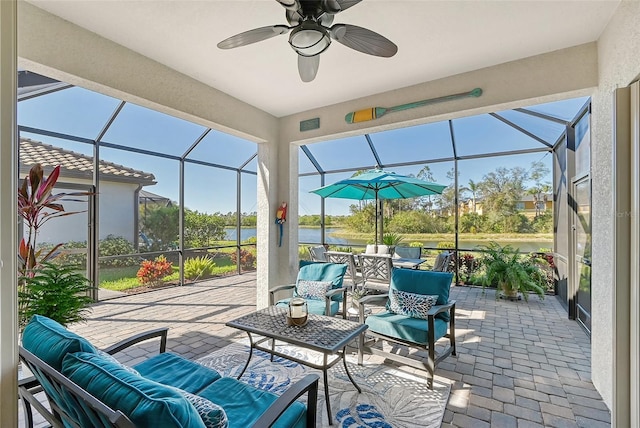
x=407, y=263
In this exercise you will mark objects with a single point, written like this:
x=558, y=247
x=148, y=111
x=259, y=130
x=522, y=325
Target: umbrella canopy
x=378, y=184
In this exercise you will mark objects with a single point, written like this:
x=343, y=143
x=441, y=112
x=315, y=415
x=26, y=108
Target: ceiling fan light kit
x=311, y=33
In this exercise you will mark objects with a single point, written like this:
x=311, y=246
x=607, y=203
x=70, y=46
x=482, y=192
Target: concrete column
x=8, y=216
x=277, y=183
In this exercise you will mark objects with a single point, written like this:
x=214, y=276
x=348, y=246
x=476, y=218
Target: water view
x=311, y=235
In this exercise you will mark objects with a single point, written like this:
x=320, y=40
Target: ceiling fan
x=311, y=33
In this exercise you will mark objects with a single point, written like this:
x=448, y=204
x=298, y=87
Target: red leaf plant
x=37, y=204
x=152, y=271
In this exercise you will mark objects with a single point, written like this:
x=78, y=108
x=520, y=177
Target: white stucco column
x=277, y=183
x=8, y=216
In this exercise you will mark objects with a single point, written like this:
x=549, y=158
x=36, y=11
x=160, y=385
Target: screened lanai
x=166, y=187
x=203, y=184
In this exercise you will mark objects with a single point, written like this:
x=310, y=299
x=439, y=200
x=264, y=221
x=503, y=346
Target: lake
x=308, y=235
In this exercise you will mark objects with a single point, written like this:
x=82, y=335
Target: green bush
x=444, y=245
x=416, y=244
x=113, y=246
x=247, y=259
x=198, y=267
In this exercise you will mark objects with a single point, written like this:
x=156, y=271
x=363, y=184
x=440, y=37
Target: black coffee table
x=328, y=335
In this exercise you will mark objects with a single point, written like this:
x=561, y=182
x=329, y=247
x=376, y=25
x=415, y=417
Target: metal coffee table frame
x=324, y=334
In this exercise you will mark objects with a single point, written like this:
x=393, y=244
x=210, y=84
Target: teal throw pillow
x=113, y=359
x=211, y=414
x=313, y=290
x=410, y=304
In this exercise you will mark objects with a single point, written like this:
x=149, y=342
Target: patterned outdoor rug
x=390, y=397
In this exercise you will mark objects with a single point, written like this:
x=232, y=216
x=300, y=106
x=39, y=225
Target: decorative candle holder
x=298, y=313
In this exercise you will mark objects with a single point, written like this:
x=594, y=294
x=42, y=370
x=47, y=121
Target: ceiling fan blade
x=290, y=4
x=363, y=40
x=253, y=36
x=308, y=67
x=335, y=6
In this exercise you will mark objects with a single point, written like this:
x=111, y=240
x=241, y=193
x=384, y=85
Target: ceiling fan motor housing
x=309, y=38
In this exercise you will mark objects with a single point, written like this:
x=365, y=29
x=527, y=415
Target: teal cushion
x=404, y=327
x=174, y=370
x=315, y=306
x=332, y=272
x=244, y=404
x=424, y=282
x=145, y=402
x=50, y=341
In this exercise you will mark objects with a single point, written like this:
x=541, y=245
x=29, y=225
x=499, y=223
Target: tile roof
x=76, y=164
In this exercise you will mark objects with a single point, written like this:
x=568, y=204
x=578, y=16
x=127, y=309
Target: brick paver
x=519, y=364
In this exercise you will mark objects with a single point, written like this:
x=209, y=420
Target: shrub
x=445, y=245
x=152, y=271
x=198, y=267
x=114, y=246
x=247, y=259
x=415, y=244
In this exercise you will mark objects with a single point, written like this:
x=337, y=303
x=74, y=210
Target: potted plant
x=391, y=240
x=512, y=275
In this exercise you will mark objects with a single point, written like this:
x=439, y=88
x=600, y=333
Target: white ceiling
x=435, y=39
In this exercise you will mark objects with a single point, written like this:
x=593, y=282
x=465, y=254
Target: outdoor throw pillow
x=212, y=415
x=410, y=304
x=313, y=290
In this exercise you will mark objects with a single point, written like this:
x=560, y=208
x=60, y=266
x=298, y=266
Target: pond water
x=308, y=235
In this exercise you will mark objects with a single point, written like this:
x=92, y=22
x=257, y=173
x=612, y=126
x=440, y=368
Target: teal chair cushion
x=234, y=396
x=332, y=272
x=173, y=370
x=405, y=328
x=424, y=282
x=315, y=306
x=50, y=341
x=145, y=402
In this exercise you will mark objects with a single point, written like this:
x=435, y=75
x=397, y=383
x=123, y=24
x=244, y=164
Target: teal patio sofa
x=87, y=387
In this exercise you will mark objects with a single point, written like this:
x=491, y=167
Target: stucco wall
x=117, y=210
x=618, y=66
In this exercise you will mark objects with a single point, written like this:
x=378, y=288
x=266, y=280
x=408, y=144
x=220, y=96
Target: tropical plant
x=152, y=271
x=198, y=267
x=392, y=239
x=37, y=205
x=505, y=268
x=247, y=259
x=57, y=291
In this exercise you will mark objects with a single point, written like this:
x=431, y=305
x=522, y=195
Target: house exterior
x=120, y=187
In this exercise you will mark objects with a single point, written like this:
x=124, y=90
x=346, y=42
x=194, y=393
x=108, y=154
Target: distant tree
x=201, y=229
x=160, y=225
x=502, y=189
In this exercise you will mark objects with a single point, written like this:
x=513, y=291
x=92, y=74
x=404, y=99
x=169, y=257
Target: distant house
x=526, y=204
x=119, y=191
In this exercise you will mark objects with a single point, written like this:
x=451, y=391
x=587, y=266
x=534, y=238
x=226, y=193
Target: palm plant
x=504, y=268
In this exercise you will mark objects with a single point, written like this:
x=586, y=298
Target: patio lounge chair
x=411, y=318
x=320, y=284
x=89, y=388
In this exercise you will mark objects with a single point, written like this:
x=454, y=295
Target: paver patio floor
x=519, y=364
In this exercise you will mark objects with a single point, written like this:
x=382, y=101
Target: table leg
x=344, y=361
x=326, y=390
x=250, y=355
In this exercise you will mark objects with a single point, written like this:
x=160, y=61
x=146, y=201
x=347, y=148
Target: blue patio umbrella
x=379, y=184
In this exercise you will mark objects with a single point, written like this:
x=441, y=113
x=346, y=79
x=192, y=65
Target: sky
x=84, y=113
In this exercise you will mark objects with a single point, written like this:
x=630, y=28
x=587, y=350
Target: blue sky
x=84, y=113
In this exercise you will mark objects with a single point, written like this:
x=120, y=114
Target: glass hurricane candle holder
x=298, y=312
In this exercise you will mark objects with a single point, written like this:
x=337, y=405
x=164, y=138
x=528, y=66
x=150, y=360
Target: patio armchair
x=407, y=252
x=443, y=261
x=376, y=271
x=348, y=259
x=318, y=254
x=321, y=285
x=417, y=314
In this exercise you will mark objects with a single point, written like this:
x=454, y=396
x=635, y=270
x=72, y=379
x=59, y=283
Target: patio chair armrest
x=441, y=308
x=335, y=291
x=369, y=300
x=309, y=385
x=273, y=291
x=126, y=343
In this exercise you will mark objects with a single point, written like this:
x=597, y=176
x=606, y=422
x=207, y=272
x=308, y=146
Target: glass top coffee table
x=328, y=335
